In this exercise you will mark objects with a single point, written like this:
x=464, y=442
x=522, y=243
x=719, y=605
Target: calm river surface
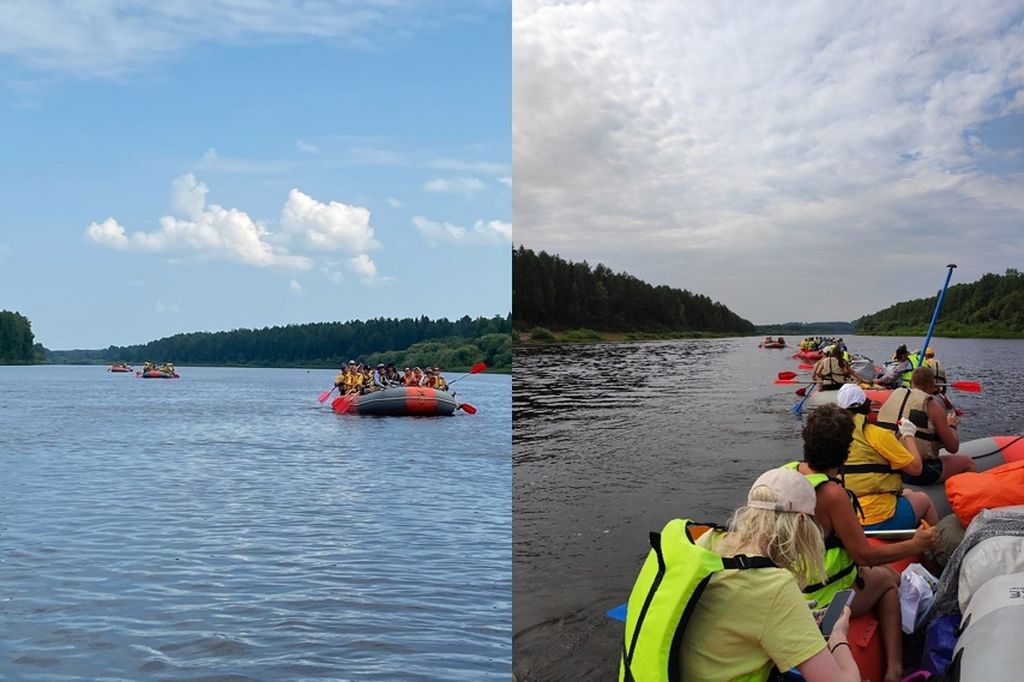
x=226, y=526
x=613, y=440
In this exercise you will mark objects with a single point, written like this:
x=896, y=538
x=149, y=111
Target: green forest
x=550, y=293
x=17, y=343
x=414, y=342
x=992, y=307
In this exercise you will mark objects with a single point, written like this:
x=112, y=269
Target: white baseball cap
x=791, y=490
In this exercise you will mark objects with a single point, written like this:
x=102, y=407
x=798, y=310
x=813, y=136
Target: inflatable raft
x=773, y=344
x=399, y=401
x=808, y=355
x=119, y=368
x=157, y=374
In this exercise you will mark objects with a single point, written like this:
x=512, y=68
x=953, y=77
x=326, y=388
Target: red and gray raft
x=399, y=401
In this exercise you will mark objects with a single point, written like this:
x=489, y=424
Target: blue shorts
x=904, y=517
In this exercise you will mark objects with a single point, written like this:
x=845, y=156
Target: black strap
x=831, y=579
x=743, y=561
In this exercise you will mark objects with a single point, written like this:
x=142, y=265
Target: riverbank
x=542, y=336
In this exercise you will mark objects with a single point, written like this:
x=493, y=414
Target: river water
x=613, y=440
x=226, y=526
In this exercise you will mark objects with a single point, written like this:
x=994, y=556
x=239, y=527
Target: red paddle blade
x=801, y=391
x=787, y=375
x=969, y=386
x=785, y=381
x=467, y=408
x=341, y=403
x=325, y=395
x=804, y=365
x=477, y=368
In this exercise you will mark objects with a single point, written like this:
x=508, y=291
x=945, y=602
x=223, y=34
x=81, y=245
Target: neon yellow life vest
x=840, y=569
x=662, y=600
x=915, y=362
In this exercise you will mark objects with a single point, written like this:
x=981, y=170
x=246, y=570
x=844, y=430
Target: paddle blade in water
x=325, y=395
x=801, y=391
x=467, y=408
x=787, y=375
x=969, y=386
x=341, y=403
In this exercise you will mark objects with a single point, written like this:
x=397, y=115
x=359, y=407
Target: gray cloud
x=774, y=155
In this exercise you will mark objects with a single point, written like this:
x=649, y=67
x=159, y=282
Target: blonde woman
x=748, y=621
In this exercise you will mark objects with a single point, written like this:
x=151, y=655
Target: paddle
x=801, y=391
x=341, y=403
x=935, y=315
x=968, y=386
x=799, y=407
x=790, y=375
x=790, y=382
x=325, y=395
x=475, y=369
x=467, y=408
x=804, y=365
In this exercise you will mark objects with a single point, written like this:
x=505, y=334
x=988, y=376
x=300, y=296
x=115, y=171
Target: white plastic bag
x=917, y=594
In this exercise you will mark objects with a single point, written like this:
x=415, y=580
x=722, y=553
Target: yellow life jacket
x=662, y=600
x=915, y=362
x=912, y=404
x=866, y=472
x=840, y=570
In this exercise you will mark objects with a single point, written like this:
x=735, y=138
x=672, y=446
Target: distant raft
x=157, y=374
x=400, y=401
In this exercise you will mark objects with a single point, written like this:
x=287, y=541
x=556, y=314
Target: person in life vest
x=340, y=380
x=849, y=559
x=439, y=382
x=896, y=368
x=391, y=374
x=937, y=369
x=936, y=428
x=746, y=621
x=832, y=371
x=872, y=470
x=408, y=378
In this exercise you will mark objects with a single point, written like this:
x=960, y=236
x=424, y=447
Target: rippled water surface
x=226, y=526
x=613, y=440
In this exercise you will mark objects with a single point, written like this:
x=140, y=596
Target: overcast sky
x=796, y=161
x=201, y=166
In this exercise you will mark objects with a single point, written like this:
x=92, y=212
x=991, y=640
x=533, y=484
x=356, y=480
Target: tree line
x=17, y=343
x=420, y=341
x=550, y=292
x=992, y=307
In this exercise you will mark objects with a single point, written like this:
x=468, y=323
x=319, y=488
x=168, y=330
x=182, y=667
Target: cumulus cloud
x=209, y=231
x=489, y=232
x=327, y=227
x=454, y=185
x=682, y=141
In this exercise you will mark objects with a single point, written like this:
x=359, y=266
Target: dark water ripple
x=225, y=526
x=612, y=440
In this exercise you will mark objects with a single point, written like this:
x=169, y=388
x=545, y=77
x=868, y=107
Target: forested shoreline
x=551, y=293
x=17, y=343
x=421, y=341
x=992, y=307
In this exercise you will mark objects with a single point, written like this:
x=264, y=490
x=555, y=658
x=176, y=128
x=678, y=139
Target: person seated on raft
x=937, y=369
x=892, y=377
x=380, y=379
x=391, y=375
x=849, y=559
x=936, y=428
x=747, y=620
x=832, y=371
x=439, y=382
x=407, y=377
x=147, y=366
x=873, y=466
x=782, y=341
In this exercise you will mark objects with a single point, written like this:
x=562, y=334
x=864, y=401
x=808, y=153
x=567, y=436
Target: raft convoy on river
x=969, y=614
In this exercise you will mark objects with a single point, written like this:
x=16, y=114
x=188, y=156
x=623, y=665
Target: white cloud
x=462, y=166
x=209, y=231
x=455, y=185
x=327, y=227
x=213, y=162
x=680, y=140
x=294, y=287
x=363, y=266
x=506, y=180
x=167, y=309
x=108, y=38
x=308, y=147
x=489, y=232
x=394, y=203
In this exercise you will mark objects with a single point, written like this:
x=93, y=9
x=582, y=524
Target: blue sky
x=176, y=167
x=796, y=160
